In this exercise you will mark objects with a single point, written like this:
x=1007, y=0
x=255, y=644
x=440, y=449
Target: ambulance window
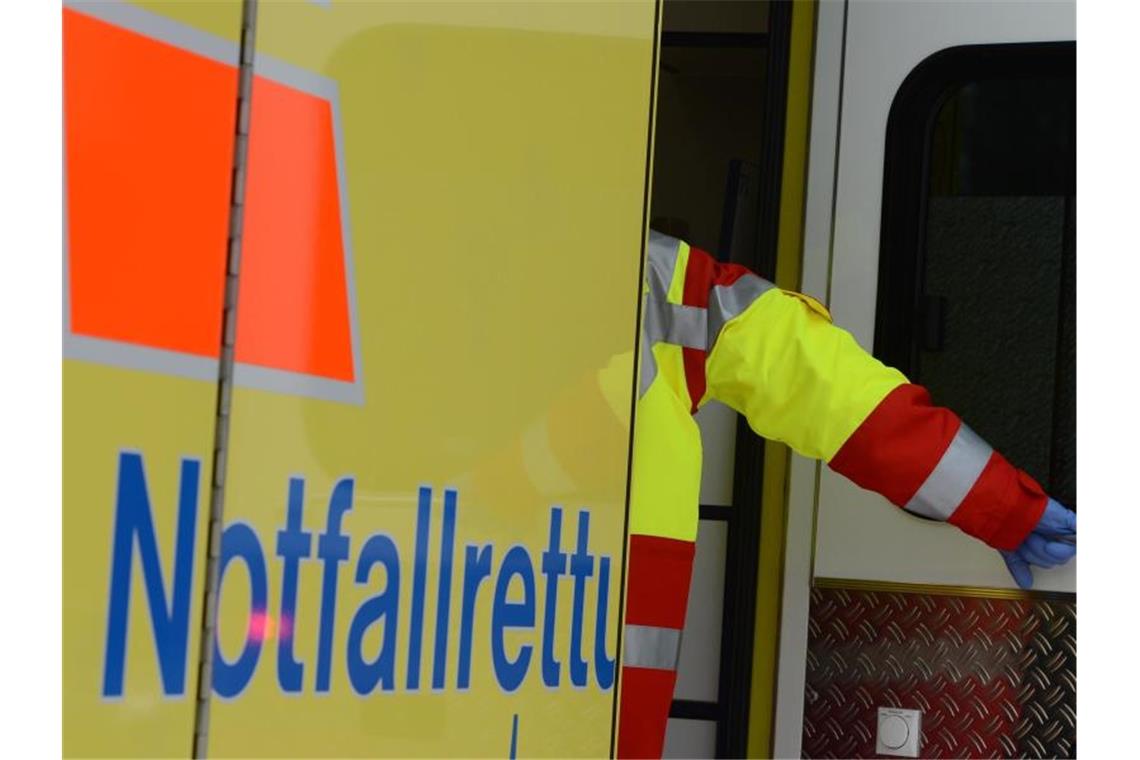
x=978, y=255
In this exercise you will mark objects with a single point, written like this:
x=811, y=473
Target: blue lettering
x=443, y=599
x=293, y=545
x=553, y=567
x=364, y=674
x=377, y=617
x=419, y=580
x=169, y=621
x=506, y=614
x=239, y=541
x=476, y=568
x=604, y=665
x=332, y=548
x=581, y=567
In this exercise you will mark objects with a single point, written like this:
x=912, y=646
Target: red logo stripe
x=149, y=152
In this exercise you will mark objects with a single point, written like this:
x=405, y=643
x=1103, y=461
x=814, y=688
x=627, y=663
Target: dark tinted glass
x=994, y=302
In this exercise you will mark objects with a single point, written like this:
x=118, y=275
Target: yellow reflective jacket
x=717, y=331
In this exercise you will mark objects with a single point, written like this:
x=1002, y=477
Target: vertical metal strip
x=225, y=378
x=777, y=457
x=835, y=183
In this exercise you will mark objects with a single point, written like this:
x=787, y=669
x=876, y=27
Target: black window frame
x=906, y=173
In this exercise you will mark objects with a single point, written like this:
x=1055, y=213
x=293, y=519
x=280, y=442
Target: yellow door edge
x=774, y=499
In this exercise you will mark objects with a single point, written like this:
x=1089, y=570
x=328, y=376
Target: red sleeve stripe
x=703, y=273
x=900, y=443
x=694, y=361
x=646, y=696
x=953, y=477
x=658, y=586
x=698, y=278
x=727, y=274
x=923, y=458
x=698, y=275
x=1002, y=507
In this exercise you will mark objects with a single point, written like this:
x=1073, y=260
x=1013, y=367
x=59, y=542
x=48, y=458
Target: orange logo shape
x=150, y=107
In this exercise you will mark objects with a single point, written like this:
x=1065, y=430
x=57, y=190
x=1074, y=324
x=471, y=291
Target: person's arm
x=799, y=379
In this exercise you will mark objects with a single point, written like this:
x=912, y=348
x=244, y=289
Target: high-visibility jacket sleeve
x=800, y=379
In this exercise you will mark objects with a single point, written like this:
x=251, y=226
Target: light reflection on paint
x=263, y=626
x=260, y=626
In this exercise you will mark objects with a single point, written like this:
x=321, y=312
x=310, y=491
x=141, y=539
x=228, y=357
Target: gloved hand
x=1053, y=542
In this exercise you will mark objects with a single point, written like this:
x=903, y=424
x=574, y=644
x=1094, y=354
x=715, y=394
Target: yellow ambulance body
x=324, y=261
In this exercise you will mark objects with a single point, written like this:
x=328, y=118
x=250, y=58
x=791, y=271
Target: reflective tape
x=650, y=646
x=676, y=324
x=662, y=260
x=728, y=301
x=947, y=485
x=663, y=252
x=648, y=368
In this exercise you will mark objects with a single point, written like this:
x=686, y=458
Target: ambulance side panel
x=149, y=100
x=426, y=470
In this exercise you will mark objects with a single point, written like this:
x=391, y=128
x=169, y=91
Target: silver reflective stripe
x=728, y=301
x=663, y=252
x=648, y=646
x=674, y=323
x=952, y=479
x=648, y=368
x=669, y=323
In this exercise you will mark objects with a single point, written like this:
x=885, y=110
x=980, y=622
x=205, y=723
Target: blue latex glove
x=1053, y=542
